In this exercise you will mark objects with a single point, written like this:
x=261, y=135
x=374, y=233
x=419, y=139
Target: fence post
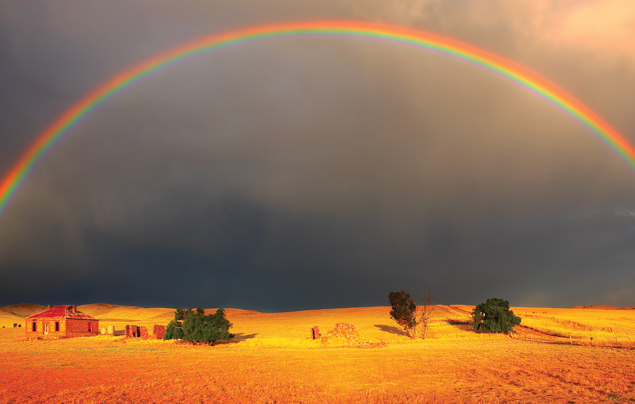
x=570, y=340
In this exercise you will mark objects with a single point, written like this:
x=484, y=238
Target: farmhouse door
x=46, y=328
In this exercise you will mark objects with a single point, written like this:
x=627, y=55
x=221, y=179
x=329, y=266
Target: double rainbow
x=396, y=35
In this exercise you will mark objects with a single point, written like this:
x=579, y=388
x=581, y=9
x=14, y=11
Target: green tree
x=494, y=316
x=198, y=327
x=404, y=311
x=174, y=330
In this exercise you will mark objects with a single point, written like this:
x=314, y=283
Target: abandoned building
x=135, y=331
x=61, y=321
x=315, y=332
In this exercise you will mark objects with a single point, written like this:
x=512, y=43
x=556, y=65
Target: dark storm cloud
x=312, y=173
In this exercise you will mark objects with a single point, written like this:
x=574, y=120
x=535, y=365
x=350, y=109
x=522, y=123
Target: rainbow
x=390, y=34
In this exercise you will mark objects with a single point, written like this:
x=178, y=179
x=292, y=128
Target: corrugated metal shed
x=62, y=312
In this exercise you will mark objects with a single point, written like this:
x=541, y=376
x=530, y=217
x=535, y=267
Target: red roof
x=62, y=312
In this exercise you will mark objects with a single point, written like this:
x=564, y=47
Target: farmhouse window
x=90, y=327
x=57, y=326
x=34, y=326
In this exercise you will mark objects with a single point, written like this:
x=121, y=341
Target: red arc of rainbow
x=369, y=31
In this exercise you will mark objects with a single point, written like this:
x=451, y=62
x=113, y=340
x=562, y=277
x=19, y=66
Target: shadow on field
x=237, y=338
x=241, y=337
x=391, y=329
x=464, y=326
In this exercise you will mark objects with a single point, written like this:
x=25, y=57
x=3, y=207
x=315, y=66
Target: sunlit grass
x=606, y=327
x=273, y=359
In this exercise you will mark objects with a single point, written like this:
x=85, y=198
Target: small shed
x=61, y=321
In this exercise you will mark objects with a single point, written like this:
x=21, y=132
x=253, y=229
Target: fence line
x=619, y=341
x=609, y=342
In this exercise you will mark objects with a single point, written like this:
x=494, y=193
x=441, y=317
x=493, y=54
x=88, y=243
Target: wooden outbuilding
x=61, y=321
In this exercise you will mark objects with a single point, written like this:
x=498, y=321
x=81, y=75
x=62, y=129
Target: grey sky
x=317, y=172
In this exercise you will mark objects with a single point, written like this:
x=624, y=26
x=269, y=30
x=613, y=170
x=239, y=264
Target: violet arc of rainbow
x=369, y=31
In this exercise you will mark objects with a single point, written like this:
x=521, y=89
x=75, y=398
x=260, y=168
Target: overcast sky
x=308, y=173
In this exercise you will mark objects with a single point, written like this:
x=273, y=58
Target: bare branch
x=425, y=313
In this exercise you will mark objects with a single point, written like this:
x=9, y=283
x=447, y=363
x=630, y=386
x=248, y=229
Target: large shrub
x=198, y=327
x=494, y=316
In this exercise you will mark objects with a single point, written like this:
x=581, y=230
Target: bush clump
x=198, y=327
x=494, y=316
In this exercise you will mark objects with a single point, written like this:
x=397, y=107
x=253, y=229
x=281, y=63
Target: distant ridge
x=106, y=311
x=603, y=307
x=23, y=309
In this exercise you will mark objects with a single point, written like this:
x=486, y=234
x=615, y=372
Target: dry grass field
x=272, y=360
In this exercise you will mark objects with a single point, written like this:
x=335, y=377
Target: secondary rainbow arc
x=397, y=35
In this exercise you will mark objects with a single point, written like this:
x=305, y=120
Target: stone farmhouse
x=61, y=321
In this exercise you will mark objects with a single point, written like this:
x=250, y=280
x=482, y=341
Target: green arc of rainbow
x=397, y=35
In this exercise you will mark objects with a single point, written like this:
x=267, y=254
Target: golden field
x=272, y=360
